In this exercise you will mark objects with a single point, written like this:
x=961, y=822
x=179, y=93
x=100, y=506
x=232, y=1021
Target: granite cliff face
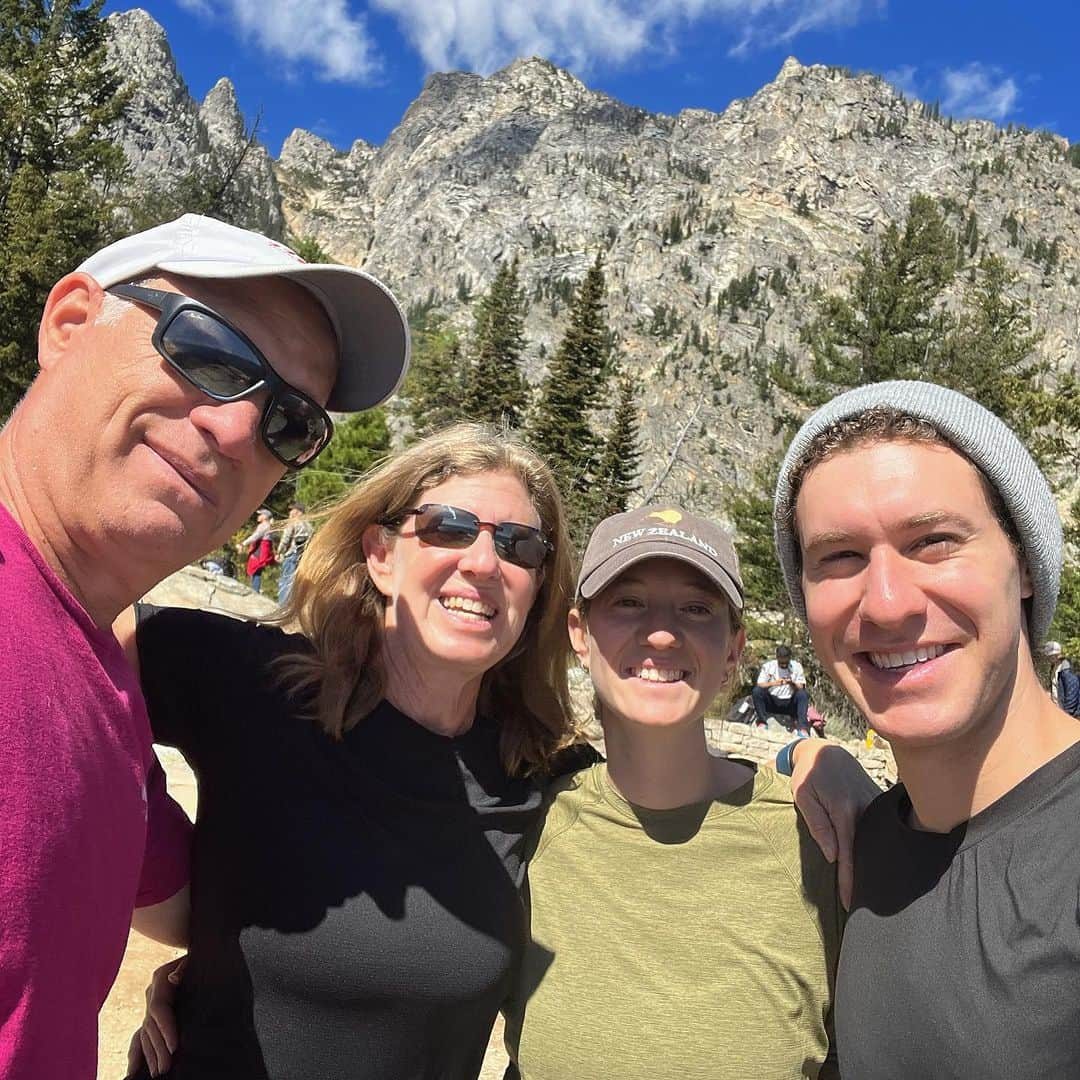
x=166, y=134
x=784, y=187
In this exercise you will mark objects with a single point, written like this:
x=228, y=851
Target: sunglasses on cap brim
x=452, y=527
x=225, y=365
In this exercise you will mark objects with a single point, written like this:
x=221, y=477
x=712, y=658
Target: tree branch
x=670, y=464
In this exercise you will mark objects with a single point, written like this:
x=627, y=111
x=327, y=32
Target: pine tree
x=433, y=388
x=893, y=316
x=750, y=506
x=359, y=441
x=989, y=355
x=1066, y=625
x=620, y=460
x=495, y=389
x=58, y=171
x=562, y=425
x=310, y=250
x=895, y=326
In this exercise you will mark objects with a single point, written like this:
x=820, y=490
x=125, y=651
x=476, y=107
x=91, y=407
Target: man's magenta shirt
x=79, y=785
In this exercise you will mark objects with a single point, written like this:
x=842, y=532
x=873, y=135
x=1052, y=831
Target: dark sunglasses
x=452, y=527
x=225, y=365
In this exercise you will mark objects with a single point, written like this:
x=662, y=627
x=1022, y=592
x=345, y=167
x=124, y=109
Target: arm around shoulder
x=831, y=790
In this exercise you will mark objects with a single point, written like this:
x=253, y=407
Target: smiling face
x=454, y=611
x=658, y=644
x=154, y=468
x=913, y=591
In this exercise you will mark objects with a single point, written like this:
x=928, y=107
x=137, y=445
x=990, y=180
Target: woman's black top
x=355, y=903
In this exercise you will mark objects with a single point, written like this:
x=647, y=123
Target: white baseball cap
x=372, y=333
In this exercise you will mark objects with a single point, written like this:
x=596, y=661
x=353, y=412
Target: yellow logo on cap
x=672, y=517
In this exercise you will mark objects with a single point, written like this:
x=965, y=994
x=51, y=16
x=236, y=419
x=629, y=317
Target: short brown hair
x=882, y=423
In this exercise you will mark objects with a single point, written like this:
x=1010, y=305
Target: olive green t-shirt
x=693, y=944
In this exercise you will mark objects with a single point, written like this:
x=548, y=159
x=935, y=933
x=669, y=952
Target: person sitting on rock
x=1064, y=682
x=781, y=688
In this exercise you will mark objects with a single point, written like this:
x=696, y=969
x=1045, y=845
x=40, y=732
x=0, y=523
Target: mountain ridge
x=783, y=187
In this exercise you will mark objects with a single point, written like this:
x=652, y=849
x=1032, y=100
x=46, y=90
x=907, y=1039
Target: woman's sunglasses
x=452, y=527
x=219, y=360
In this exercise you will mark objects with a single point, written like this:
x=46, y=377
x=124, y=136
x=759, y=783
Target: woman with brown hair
x=366, y=784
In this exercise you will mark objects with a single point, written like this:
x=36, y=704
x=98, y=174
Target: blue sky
x=348, y=69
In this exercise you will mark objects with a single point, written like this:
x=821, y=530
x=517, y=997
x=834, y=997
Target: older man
x=182, y=370
x=924, y=547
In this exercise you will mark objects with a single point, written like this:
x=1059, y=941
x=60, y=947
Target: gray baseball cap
x=371, y=329
x=660, y=531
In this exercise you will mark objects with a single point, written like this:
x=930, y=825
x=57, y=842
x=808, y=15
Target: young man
x=781, y=688
x=924, y=547
x=162, y=414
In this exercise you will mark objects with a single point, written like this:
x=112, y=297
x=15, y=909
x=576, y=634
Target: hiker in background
x=781, y=688
x=259, y=548
x=1064, y=682
x=294, y=538
x=162, y=414
x=713, y=926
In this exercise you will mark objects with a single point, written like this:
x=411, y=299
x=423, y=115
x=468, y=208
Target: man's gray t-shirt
x=961, y=957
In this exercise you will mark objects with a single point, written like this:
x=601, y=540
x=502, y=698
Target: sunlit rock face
x=780, y=190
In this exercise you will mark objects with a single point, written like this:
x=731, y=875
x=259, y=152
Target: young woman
x=683, y=923
x=366, y=785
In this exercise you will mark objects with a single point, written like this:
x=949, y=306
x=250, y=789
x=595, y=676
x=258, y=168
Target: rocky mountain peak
x=791, y=68
x=170, y=140
x=161, y=133
x=535, y=78
x=303, y=150
x=221, y=113
x=141, y=31
x=718, y=230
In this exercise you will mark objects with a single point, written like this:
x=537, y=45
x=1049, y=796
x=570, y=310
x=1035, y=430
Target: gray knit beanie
x=982, y=438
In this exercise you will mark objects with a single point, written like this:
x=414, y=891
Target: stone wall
x=758, y=744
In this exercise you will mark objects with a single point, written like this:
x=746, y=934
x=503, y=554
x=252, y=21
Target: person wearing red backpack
x=259, y=547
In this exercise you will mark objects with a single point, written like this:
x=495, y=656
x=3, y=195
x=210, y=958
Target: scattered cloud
x=973, y=91
x=979, y=90
x=778, y=22
x=483, y=35
x=903, y=78
x=323, y=33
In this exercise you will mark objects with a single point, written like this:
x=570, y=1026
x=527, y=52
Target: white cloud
x=319, y=32
x=979, y=90
x=482, y=35
x=779, y=22
x=903, y=78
